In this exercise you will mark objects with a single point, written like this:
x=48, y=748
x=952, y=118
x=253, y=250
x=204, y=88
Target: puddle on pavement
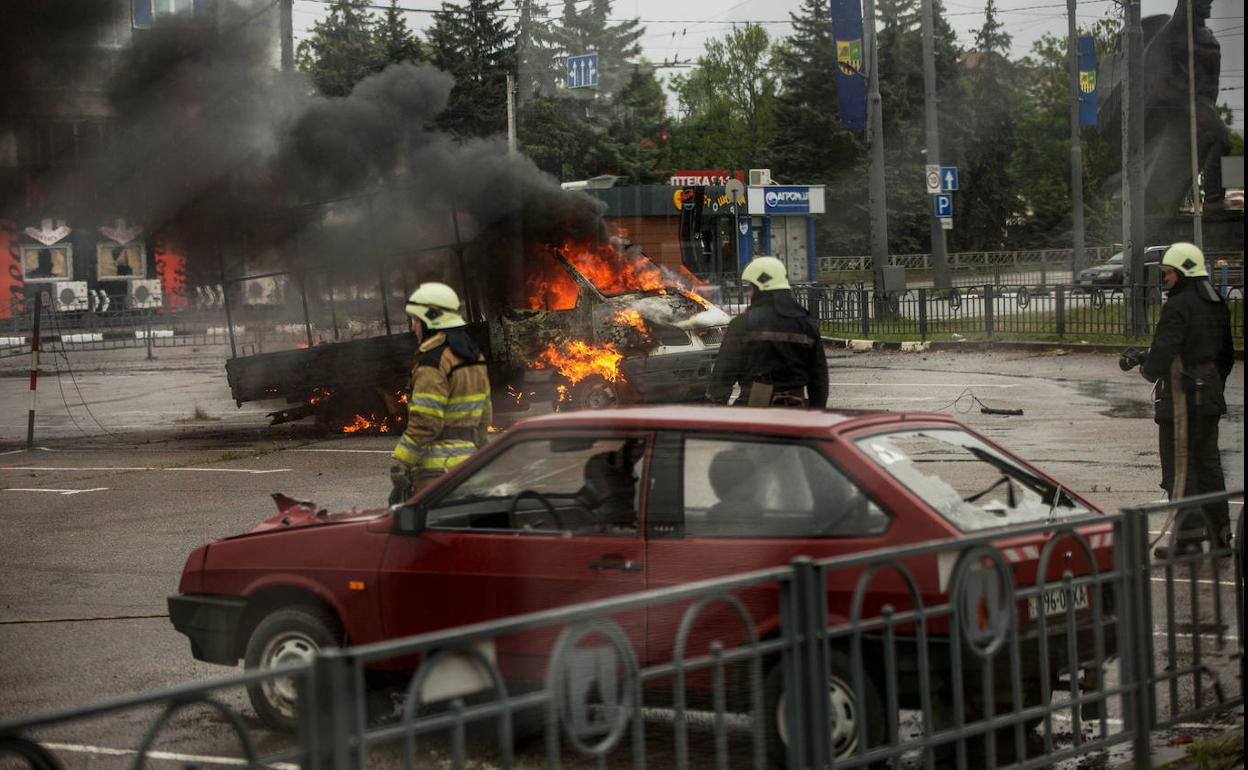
x=1131, y=408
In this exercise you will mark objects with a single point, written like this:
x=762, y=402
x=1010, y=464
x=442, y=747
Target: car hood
x=298, y=514
x=680, y=309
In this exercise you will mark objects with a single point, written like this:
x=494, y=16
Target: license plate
x=1056, y=600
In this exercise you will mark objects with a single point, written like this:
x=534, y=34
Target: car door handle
x=615, y=562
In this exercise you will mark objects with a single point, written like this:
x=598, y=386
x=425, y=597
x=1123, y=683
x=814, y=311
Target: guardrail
x=989, y=261
x=995, y=670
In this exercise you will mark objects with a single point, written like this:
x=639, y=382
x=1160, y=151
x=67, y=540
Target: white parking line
x=230, y=470
x=347, y=451
x=166, y=755
x=928, y=384
x=47, y=469
x=56, y=491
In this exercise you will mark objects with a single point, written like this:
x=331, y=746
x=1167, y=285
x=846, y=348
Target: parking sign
x=942, y=205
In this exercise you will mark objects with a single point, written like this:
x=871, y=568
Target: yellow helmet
x=437, y=305
x=767, y=273
x=1186, y=258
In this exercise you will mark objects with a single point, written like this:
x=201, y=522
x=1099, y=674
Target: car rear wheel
x=846, y=707
x=288, y=636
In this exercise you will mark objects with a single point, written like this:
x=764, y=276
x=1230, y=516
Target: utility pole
x=1198, y=204
x=1077, y=262
x=875, y=138
x=1133, y=223
x=511, y=113
x=940, y=258
x=286, y=28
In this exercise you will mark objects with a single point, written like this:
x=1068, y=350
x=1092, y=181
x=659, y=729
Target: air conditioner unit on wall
x=68, y=295
x=760, y=176
x=143, y=294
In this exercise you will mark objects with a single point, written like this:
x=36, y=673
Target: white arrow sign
x=47, y=234
x=120, y=233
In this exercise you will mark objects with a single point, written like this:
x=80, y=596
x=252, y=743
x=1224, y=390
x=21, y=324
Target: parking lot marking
x=42, y=468
x=57, y=491
x=165, y=755
x=928, y=384
x=347, y=451
x=230, y=470
x=49, y=469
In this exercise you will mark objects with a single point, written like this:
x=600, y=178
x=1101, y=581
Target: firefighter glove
x=401, y=484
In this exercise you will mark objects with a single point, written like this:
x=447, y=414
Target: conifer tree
x=474, y=44
x=342, y=49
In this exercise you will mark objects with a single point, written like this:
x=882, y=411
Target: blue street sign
x=583, y=71
x=942, y=205
x=948, y=178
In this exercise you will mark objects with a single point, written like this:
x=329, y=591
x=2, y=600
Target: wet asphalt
x=138, y=460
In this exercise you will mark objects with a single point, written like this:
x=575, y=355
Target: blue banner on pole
x=1087, y=81
x=851, y=79
x=141, y=14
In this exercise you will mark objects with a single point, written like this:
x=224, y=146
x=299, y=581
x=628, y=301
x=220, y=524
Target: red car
x=583, y=506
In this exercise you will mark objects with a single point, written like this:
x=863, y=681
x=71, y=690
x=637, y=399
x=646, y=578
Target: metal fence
x=1017, y=661
x=990, y=311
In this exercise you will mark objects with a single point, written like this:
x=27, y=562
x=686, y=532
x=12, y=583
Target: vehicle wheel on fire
x=287, y=636
x=360, y=409
x=846, y=710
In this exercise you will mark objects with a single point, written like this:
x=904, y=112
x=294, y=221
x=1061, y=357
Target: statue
x=1167, y=154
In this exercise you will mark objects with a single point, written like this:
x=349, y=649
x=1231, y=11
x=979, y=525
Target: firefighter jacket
x=1195, y=328
x=775, y=342
x=449, y=411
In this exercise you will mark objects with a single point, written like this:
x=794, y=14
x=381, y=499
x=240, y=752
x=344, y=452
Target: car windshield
x=968, y=482
x=1115, y=260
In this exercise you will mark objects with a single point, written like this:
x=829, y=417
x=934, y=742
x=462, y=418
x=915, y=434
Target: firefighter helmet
x=437, y=305
x=767, y=273
x=1186, y=258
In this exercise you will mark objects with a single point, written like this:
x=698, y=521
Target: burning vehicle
x=581, y=324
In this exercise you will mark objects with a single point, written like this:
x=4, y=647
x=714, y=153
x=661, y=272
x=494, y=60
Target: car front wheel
x=288, y=636
x=847, y=709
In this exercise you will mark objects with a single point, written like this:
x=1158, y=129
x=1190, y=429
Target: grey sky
x=677, y=32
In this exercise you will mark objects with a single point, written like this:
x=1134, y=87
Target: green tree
x=809, y=146
x=636, y=127
x=727, y=102
x=590, y=31
x=986, y=201
x=396, y=41
x=901, y=91
x=1040, y=167
x=474, y=44
x=342, y=49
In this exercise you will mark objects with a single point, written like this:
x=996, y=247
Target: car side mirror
x=409, y=518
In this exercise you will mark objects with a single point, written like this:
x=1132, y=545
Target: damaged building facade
x=64, y=229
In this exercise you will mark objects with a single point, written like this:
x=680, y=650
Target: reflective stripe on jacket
x=448, y=410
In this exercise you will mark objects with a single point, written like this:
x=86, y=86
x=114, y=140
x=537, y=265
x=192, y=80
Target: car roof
x=800, y=422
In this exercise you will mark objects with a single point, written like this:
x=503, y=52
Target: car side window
x=567, y=484
x=736, y=488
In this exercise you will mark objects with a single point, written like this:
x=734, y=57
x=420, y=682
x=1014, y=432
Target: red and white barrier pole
x=34, y=370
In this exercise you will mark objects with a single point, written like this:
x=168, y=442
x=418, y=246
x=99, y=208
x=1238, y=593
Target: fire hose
x=1132, y=358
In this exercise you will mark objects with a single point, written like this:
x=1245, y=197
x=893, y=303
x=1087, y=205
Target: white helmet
x=1186, y=258
x=437, y=305
x=767, y=273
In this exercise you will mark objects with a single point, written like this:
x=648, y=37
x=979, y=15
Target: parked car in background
x=1109, y=275
x=583, y=506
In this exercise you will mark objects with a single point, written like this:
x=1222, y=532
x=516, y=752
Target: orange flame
x=577, y=360
x=360, y=422
x=630, y=317
x=319, y=394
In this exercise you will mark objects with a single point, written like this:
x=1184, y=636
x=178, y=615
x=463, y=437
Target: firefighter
x=448, y=412
x=773, y=350
x=1191, y=355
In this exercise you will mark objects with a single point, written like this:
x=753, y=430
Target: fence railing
x=990, y=261
x=1038, y=646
